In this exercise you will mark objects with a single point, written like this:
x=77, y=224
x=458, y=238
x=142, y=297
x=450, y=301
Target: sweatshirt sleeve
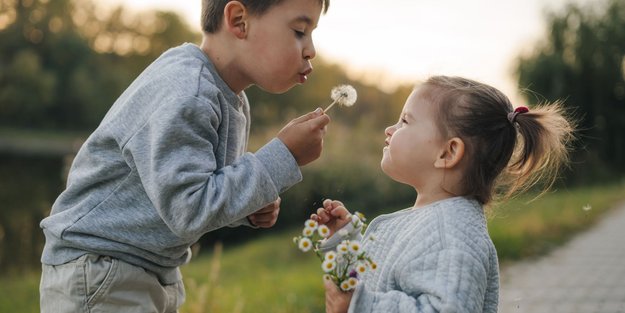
x=350, y=231
x=449, y=281
x=174, y=156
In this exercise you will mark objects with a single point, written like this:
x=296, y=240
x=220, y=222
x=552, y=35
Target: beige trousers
x=97, y=284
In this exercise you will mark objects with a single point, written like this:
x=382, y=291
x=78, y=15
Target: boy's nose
x=309, y=51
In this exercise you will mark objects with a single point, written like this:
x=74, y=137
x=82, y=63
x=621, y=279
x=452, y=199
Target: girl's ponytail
x=544, y=135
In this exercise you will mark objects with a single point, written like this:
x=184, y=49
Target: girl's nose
x=389, y=130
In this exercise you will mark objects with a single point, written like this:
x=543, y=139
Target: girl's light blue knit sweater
x=438, y=258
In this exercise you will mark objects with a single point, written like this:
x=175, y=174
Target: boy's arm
x=174, y=156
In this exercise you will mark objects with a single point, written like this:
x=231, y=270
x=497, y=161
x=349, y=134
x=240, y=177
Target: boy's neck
x=220, y=52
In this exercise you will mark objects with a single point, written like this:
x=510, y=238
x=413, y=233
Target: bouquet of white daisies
x=345, y=264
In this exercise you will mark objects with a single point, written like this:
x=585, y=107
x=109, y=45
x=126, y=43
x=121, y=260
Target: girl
x=459, y=143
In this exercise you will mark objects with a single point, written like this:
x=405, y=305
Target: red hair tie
x=517, y=111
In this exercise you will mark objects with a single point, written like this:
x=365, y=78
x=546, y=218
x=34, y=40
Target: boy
x=167, y=163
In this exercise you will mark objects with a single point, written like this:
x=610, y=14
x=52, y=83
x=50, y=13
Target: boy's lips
x=303, y=76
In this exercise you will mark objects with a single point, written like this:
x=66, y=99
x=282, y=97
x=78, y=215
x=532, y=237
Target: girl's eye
x=299, y=34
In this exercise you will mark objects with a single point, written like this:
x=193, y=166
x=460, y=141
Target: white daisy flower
x=342, y=248
x=352, y=282
x=345, y=286
x=308, y=231
x=361, y=216
x=344, y=95
x=328, y=265
x=310, y=223
x=330, y=256
x=361, y=267
x=323, y=231
x=373, y=265
x=354, y=247
x=305, y=244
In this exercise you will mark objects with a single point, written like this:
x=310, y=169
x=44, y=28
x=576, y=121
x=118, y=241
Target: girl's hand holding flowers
x=337, y=301
x=342, y=256
x=333, y=214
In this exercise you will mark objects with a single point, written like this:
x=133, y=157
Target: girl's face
x=281, y=43
x=413, y=144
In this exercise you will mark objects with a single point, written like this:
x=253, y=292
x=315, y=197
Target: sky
x=387, y=42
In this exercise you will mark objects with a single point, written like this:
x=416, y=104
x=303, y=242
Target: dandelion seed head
x=344, y=95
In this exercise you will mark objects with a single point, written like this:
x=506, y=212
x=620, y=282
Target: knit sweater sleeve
x=449, y=280
x=174, y=155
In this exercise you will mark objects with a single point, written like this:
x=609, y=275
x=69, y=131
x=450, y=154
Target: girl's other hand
x=333, y=214
x=337, y=301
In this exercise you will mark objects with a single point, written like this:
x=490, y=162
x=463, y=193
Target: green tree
x=62, y=65
x=582, y=61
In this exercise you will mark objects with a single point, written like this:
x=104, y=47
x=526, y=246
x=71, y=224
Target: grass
x=523, y=228
x=270, y=275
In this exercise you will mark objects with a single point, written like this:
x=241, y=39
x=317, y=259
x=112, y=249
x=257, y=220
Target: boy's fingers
x=307, y=116
x=319, y=121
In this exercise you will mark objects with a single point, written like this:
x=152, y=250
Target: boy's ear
x=451, y=154
x=235, y=19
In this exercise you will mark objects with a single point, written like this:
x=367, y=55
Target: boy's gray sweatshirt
x=166, y=165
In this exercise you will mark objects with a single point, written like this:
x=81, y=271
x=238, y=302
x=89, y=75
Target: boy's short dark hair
x=213, y=10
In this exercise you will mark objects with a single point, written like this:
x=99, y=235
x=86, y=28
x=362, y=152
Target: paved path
x=584, y=276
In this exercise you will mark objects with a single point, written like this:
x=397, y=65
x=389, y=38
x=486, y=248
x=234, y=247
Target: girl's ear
x=451, y=154
x=235, y=19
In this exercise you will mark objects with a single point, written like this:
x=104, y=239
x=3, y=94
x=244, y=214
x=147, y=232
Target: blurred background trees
x=63, y=63
x=582, y=61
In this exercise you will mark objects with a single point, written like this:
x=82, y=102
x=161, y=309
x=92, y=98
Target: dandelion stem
x=329, y=106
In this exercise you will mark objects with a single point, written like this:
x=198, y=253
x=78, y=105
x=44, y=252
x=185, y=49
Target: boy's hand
x=267, y=216
x=304, y=136
x=333, y=214
x=336, y=301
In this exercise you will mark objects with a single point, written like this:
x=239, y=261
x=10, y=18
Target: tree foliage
x=63, y=62
x=582, y=61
